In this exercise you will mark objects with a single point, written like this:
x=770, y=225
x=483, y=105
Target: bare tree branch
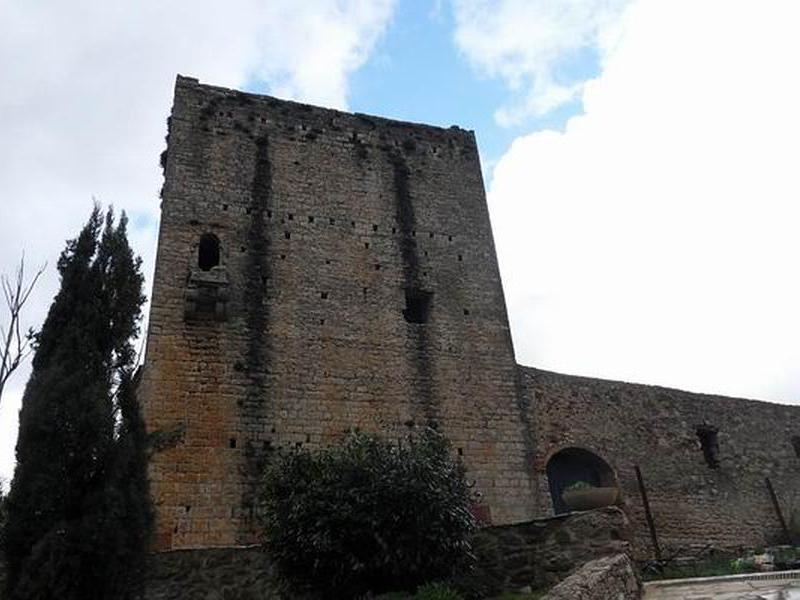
x=15, y=346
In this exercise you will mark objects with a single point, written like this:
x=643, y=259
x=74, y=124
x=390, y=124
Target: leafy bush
x=368, y=515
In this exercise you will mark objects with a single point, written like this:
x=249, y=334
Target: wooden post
x=647, y=514
x=777, y=507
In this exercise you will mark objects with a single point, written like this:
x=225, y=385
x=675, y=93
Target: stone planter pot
x=590, y=498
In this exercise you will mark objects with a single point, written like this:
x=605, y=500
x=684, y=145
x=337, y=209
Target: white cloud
x=531, y=44
x=655, y=239
x=86, y=89
x=329, y=41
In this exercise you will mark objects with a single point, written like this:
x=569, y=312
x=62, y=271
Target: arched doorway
x=570, y=465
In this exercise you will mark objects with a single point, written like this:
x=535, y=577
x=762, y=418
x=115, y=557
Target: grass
x=713, y=566
x=535, y=595
x=519, y=596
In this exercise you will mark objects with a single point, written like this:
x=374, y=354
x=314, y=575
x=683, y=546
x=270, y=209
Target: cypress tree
x=2, y=509
x=129, y=508
x=65, y=534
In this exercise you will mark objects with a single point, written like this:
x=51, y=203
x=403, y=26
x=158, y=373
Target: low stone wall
x=536, y=554
x=542, y=552
x=607, y=578
x=212, y=574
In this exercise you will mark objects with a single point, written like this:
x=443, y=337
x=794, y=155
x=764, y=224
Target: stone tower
x=318, y=271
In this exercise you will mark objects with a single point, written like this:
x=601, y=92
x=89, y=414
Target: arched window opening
x=572, y=465
x=208, y=252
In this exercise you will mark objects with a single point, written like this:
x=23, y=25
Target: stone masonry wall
x=656, y=428
x=542, y=552
x=212, y=574
x=357, y=286
x=331, y=225
x=536, y=554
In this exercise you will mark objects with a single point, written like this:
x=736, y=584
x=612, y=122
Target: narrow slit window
x=796, y=445
x=418, y=306
x=208, y=252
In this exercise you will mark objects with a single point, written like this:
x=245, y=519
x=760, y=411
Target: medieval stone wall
x=656, y=428
x=319, y=271
x=335, y=230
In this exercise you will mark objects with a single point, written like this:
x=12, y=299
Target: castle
x=319, y=270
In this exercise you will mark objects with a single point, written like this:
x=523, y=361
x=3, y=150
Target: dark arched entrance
x=576, y=464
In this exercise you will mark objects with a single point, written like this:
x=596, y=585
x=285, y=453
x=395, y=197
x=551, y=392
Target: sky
x=640, y=156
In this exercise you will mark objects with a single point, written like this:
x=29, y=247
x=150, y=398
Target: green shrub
x=368, y=515
x=437, y=591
